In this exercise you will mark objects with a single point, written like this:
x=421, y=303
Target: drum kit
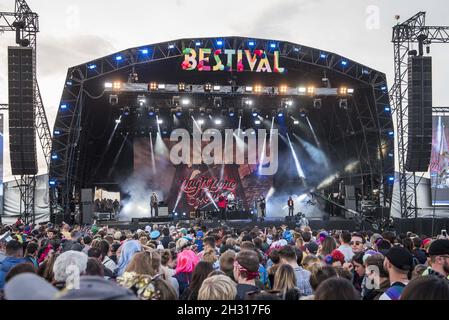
x=235, y=205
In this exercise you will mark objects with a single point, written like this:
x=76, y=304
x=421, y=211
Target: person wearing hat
x=438, y=259
x=155, y=235
x=399, y=264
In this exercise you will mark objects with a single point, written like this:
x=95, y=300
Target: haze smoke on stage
x=315, y=154
x=297, y=164
x=210, y=198
x=313, y=132
x=153, y=162
x=328, y=181
x=138, y=203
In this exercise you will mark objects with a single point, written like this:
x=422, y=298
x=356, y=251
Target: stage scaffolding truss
x=68, y=128
x=405, y=35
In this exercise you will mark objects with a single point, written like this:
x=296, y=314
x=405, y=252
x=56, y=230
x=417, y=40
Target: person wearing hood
x=14, y=256
x=128, y=250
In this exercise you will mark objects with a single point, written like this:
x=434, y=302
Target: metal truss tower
x=26, y=25
x=405, y=35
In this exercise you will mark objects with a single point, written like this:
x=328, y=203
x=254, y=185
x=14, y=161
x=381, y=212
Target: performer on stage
x=222, y=205
x=290, y=204
x=154, y=204
x=262, y=206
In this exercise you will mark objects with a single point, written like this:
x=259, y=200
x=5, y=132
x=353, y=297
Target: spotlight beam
x=295, y=157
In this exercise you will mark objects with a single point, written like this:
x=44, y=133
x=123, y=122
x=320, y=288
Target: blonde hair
x=147, y=263
x=217, y=288
x=210, y=256
x=284, y=278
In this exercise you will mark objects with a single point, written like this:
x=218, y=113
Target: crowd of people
x=192, y=262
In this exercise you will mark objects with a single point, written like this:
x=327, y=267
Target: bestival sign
x=207, y=59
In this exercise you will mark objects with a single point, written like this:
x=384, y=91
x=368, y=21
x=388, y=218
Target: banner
x=439, y=163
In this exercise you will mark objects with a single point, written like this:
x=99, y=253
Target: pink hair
x=187, y=261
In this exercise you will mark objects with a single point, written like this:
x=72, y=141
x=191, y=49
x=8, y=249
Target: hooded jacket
x=7, y=264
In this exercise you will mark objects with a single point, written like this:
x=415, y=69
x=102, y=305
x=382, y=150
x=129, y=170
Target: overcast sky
x=73, y=32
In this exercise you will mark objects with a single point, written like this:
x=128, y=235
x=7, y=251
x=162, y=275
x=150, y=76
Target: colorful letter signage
x=230, y=60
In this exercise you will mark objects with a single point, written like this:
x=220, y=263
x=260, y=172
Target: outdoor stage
x=196, y=119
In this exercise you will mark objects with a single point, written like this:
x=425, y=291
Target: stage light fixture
x=344, y=63
x=108, y=85
x=219, y=42
x=286, y=103
x=258, y=88
x=296, y=49
x=255, y=112
x=178, y=112
x=117, y=121
x=118, y=58
x=303, y=112
x=272, y=45
x=113, y=99
x=296, y=122
x=144, y=51
x=247, y=102
x=52, y=182
x=249, y=89
x=317, y=103
x=280, y=113
x=240, y=112
x=350, y=91
x=171, y=46
x=64, y=107
x=141, y=100
x=311, y=90
x=151, y=112
x=302, y=90
x=323, y=55
x=218, y=101
x=218, y=122
x=117, y=85
x=390, y=179
x=160, y=121
x=185, y=101
x=251, y=43
x=197, y=43
x=126, y=111
x=56, y=132
x=176, y=101
x=283, y=89
x=92, y=66
x=391, y=133
x=343, y=91
x=153, y=86
x=200, y=121
x=257, y=122
x=202, y=111
x=217, y=88
x=207, y=87
x=343, y=104
x=387, y=109
x=54, y=156
x=161, y=86
x=181, y=86
x=231, y=112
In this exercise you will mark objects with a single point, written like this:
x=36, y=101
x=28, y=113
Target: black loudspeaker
x=22, y=134
x=419, y=114
x=87, y=206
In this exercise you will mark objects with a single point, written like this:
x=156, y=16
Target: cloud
x=60, y=53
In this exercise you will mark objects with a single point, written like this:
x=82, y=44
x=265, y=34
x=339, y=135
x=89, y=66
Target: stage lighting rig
x=181, y=87
x=141, y=100
x=317, y=103
x=113, y=99
x=208, y=87
x=283, y=89
x=153, y=86
x=246, y=102
x=343, y=104
x=218, y=102
x=286, y=103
